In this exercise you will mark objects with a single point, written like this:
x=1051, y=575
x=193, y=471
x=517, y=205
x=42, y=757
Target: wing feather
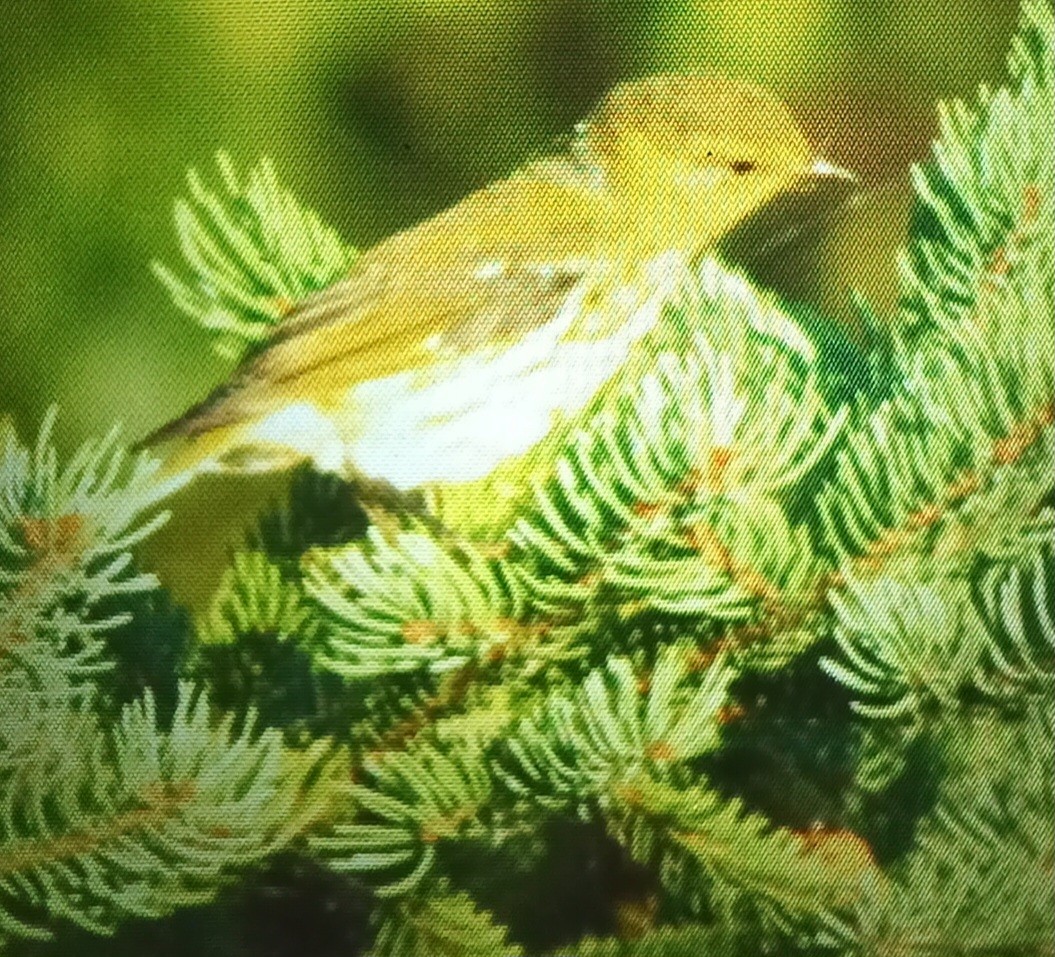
x=469, y=276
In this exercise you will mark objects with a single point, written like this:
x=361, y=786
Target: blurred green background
x=378, y=114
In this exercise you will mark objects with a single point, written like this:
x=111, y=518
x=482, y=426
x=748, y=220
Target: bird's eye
x=740, y=167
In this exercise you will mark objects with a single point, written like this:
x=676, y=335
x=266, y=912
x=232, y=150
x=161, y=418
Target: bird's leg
x=432, y=496
x=387, y=508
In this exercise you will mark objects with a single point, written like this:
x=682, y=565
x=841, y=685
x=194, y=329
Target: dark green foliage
x=790, y=747
x=148, y=652
x=551, y=887
x=276, y=678
x=320, y=511
x=764, y=667
x=292, y=908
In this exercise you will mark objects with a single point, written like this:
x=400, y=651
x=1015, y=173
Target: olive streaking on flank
x=456, y=344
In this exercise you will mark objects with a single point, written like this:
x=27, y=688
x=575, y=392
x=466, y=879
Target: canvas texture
x=527, y=478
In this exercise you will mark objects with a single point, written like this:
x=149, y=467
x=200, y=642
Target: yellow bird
x=456, y=345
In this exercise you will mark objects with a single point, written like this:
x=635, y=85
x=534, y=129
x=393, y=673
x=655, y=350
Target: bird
x=460, y=343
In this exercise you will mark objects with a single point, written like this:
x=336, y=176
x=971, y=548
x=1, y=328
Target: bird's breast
x=457, y=419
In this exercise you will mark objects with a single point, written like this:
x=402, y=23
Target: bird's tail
x=209, y=437
x=215, y=410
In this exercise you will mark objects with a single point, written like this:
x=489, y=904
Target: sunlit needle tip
x=822, y=167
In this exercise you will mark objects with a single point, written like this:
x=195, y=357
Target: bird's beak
x=822, y=168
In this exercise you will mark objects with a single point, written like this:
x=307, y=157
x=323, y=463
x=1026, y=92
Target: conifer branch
x=253, y=251
x=65, y=536
x=712, y=514
x=441, y=924
x=149, y=821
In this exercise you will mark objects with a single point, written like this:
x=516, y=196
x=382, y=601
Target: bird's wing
x=487, y=270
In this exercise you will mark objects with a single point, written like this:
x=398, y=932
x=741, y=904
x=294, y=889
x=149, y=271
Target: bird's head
x=719, y=147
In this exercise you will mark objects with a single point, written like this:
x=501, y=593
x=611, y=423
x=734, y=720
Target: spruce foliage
x=727, y=515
